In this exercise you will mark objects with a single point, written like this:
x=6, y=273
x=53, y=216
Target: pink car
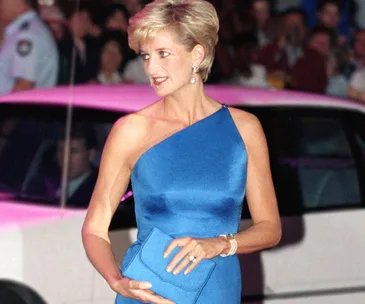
x=317, y=150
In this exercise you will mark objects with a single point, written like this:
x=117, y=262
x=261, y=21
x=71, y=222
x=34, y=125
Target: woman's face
x=167, y=63
x=117, y=22
x=111, y=56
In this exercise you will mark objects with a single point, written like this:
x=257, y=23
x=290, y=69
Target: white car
x=317, y=150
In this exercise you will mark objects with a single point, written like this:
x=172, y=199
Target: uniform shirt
x=29, y=52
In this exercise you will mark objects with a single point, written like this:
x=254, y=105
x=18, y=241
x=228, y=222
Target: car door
x=40, y=241
x=317, y=158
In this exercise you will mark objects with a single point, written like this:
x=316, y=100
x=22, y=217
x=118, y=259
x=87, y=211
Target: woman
x=112, y=57
x=186, y=156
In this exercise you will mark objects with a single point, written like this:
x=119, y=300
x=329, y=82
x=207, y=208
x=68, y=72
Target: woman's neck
x=189, y=104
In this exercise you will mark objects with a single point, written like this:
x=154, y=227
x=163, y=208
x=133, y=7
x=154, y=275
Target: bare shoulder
x=126, y=130
x=247, y=123
x=134, y=126
x=131, y=132
x=250, y=129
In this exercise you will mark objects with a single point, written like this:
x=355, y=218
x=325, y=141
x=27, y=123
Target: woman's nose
x=151, y=65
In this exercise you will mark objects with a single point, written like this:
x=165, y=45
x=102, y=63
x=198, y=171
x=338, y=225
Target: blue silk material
x=192, y=184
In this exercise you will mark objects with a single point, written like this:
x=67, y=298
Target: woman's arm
x=266, y=229
x=111, y=184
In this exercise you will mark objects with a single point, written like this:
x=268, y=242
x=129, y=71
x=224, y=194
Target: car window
x=32, y=146
x=314, y=162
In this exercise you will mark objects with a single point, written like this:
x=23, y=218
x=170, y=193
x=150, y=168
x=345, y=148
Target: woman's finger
x=191, y=258
x=149, y=297
x=132, y=284
x=178, y=258
x=193, y=264
x=189, y=246
x=186, y=260
x=180, y=242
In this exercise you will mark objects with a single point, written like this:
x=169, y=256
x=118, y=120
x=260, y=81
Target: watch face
x=230, y=236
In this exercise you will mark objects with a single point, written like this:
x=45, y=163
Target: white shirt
x=28, y=52
x=114, y=79
x=134, y=71
x=73, y=184
x=357, y=80
x=258, y=78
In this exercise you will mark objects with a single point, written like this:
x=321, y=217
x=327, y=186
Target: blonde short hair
x=193, y=21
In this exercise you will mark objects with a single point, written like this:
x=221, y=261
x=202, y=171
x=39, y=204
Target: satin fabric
x=193, y=184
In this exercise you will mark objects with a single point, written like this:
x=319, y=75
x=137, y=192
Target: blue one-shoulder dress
x=193, y=184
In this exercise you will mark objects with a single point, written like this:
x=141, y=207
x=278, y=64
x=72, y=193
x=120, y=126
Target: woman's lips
x=159, y=80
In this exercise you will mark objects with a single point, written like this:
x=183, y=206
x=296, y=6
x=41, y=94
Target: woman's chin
x=161, y=92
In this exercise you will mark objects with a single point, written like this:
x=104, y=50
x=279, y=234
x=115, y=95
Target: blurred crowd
x=315, y=46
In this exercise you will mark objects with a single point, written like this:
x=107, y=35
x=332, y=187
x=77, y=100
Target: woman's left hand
x=193, y=251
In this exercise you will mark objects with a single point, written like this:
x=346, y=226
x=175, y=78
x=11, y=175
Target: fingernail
x=165, y=255
x=168, y=269
x=147, y=285
x=175, y=272
x=185, y=272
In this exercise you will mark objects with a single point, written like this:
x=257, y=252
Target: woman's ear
x=198, y=53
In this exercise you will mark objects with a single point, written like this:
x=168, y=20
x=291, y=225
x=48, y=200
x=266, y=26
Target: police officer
x=28, y=52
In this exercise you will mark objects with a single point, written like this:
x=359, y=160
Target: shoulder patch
x=24, y=47
x=24, y=26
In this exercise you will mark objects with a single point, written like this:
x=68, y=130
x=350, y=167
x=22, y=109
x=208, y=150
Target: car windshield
x=32, y=143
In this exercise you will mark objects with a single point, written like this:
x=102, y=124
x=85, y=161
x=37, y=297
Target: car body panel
x=133, y=97
x=43, y=247
x=15, y=214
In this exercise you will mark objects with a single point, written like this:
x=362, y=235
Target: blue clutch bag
x=149, y=265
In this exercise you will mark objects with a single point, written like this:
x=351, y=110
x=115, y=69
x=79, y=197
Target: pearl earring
x=195, y=70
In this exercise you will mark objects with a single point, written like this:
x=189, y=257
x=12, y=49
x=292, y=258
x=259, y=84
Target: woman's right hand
x=138, y=291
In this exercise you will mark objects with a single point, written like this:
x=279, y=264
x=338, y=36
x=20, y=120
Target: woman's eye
x=145, y=56
x=164, y=54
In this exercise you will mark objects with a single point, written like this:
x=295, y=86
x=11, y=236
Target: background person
x=302, y=68
x=112, y=58
x=28, y=53
x=82, y=173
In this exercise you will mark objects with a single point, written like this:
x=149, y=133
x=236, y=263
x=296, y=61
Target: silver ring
x=192, y=258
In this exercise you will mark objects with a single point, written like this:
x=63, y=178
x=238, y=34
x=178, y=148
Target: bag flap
x=151, y=255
